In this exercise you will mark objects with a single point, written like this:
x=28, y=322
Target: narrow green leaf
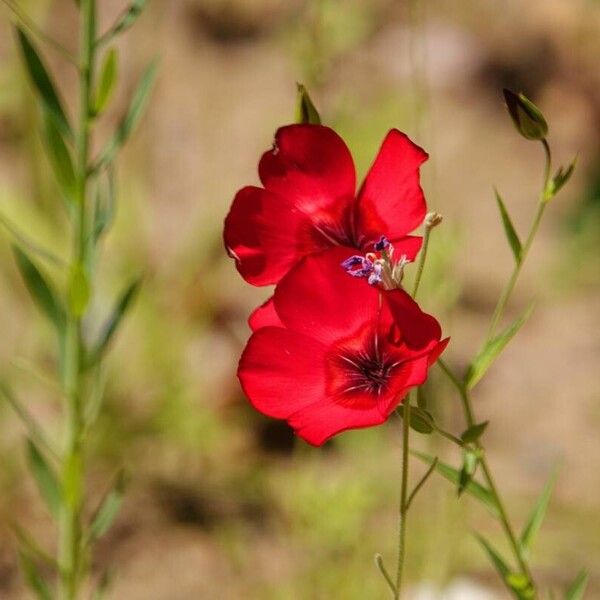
x=559, y=180
x=107, y=81
x=34, y=430
x=104, y=207
x=306, y=113
x=31, y=546
x=577, y=588
x=475, y=489
x=473, y=433
x=33, y=577
x=125, y=21
x=114, y=321
x=132, y=118
x=40, y=290
x=509, y=230
x=379, y=564
x=492, y=349
x=60, y=159
x=420, y=420
x=45, y=478
x=79, y=290
x=43, y=83
x=534, y=523
x=421, y=398
x=496, y=559
x=109, y=507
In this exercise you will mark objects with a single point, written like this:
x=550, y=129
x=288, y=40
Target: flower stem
x=69, y=543
x=403, y=496
x=508, y=289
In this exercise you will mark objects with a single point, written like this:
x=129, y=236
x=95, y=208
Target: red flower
x=330, y=353
x=308, y=202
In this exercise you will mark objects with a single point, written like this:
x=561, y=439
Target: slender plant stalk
x=70, y=548
x=403, y=497
x=464, y=392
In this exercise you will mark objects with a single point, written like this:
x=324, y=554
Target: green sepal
x=526, y=116
x=306, y=112
x=473, y=433
x=40, y=290
x=131, y=119
x=475, y=489
x=483, y=361
x=43, y=83
x=45, y=478
x=509, y=229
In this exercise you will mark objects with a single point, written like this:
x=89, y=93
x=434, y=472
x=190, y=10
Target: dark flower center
x=368, y=372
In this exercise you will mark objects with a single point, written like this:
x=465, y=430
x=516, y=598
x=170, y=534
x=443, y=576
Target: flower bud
x=433, y=219
x=526, y=116
x=306, y=113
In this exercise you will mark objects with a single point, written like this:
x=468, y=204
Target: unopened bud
x=526, y=116
x=433, y=219
x=306, y=113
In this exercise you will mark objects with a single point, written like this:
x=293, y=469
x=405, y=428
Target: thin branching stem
x=26, y=22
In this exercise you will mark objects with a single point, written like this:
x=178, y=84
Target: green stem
x=403, y=497
x=422, y=258
x=69, y=544
x=508, y=289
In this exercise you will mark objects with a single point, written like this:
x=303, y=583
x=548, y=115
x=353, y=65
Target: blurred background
x=223, y=502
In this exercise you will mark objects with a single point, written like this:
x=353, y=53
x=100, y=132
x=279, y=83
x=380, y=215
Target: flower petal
x=418, y=330
x=267, y=235
x=391, y=201
x=264, y=316
x=318, y=298
x=282, y=371
x=408, y=246
x=319, y=422
x=311, y=166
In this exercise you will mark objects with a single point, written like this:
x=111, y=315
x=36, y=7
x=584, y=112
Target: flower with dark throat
x=308, y=202
x=330, y=353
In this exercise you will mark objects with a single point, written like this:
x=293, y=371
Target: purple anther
x=382, y=244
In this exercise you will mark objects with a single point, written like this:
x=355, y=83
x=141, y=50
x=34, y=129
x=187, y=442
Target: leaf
x=421, y=398
x=104, y=207
x=496, y=559
x=132, y=118
x=379, y=564
x=577, y=588
x=79, y=290
x=33, y=577
x=474, y=488
x=559, y=180
x=31, y=546
x=107, y=81
x=420, y=420
x=306, y=113
x=492, y=349
x=125, y=21
x=537, y=516
x=114, y=321
x=509, y=230
x=43, y=83
x=40, y=290
x=473, y=433
x=72, y=480
x=45, y=478
x=109, y=507
x=60, y=159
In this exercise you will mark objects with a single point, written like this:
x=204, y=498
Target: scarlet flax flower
x=308, y=202
x=331, y=353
